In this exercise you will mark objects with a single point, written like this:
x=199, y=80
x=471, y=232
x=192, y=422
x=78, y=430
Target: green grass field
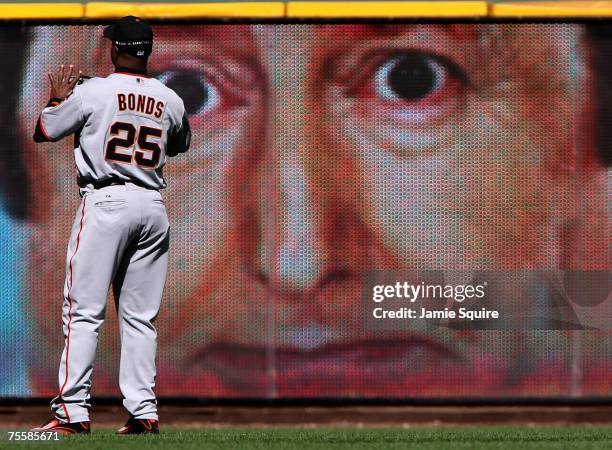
x=472, y=438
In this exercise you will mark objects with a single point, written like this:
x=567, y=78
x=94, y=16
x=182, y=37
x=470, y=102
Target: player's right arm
x=63, y=115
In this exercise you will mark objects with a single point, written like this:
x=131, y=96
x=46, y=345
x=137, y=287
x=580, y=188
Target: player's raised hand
x=63, y=84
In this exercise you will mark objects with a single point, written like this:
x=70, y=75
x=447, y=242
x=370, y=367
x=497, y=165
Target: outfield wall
x=194, y=9
x=327, y=158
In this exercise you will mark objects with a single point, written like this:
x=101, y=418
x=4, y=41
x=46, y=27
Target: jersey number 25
x=146, y=153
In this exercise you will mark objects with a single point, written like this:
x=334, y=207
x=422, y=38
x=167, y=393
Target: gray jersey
x=125, y=126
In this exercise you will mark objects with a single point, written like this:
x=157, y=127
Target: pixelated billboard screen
x=324, y=156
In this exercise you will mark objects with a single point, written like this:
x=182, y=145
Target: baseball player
x=124, y=127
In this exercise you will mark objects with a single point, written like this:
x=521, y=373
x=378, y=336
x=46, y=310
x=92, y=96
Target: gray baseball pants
x=119, y=237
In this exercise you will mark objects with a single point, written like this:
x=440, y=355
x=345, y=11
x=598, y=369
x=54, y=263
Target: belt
x=99, y=184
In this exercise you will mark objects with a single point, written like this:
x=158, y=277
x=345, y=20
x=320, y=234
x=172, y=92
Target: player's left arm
x=179, y=138
x=63, y=115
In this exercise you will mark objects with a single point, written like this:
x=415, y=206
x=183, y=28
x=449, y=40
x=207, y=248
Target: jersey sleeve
x=179, y=137
x=60, y=118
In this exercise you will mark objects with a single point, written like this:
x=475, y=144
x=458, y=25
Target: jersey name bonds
x=139, y=103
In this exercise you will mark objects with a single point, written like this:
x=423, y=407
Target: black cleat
x=54, y=425
x=139, y=426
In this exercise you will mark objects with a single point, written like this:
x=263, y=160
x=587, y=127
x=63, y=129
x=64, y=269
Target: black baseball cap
x=131, y=35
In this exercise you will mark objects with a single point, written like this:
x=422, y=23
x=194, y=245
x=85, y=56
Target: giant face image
x=321, y=152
